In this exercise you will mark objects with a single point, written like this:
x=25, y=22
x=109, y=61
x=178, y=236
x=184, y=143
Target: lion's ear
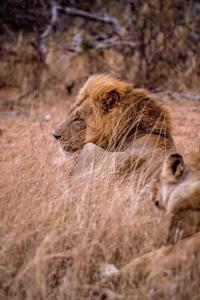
x=173, y=167
x=109, y=101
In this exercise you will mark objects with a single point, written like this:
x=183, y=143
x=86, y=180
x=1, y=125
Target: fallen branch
x=54, y=16
x=103, y=44
x=93, y=17
x=190, y=96
x=109, y=43
x=184, y=95
x=41, y=48
x=55, y=9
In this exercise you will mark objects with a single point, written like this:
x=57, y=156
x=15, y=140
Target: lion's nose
x=56, y=135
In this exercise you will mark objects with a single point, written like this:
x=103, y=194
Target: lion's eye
x=77, y=120
x=110, y=103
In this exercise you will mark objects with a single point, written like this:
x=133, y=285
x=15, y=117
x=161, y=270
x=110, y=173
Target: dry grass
x=55, y=232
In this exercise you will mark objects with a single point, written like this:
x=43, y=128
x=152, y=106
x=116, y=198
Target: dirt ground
x=186, y=124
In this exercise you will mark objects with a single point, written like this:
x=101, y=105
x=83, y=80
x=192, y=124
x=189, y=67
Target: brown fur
x=112, y=114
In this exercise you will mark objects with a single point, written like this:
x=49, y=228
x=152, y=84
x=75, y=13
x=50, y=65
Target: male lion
x=112, y=114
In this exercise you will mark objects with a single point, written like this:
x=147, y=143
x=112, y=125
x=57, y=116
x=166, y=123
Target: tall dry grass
x=57, y=229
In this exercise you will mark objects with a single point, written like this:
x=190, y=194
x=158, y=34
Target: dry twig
x=184, y=95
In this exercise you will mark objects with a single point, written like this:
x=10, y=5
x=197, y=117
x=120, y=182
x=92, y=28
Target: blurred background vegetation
x=49, y=48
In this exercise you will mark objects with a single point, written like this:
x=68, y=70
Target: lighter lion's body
x=171, y=271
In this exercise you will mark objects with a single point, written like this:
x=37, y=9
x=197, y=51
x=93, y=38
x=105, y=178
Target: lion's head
x=111, y=113
x=177, y=191
x=71, y=132
x=178, y=187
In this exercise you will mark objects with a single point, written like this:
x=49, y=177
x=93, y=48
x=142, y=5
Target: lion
x=165, y=273
x=177, y=191
x=170, y=271
x=111, y=114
